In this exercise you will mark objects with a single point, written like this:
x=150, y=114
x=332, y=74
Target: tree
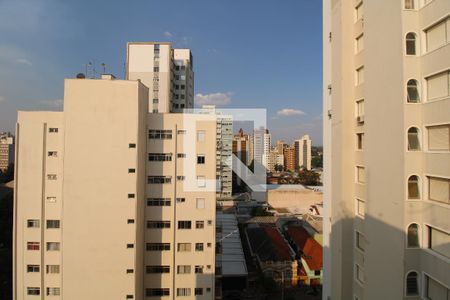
x=308, y=177
x=317, y=161
x=8, y=174
x=278, y=168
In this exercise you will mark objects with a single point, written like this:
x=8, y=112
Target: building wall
x=6, y=151
x=384, y=120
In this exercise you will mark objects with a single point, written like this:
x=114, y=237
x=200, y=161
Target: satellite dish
x=81, y=76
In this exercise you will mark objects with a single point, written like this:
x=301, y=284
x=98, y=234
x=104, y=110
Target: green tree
x=278, y=168
x=308, y=177
x=317, y=161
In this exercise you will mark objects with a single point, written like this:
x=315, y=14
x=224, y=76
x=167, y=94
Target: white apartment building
x=6, y=150
x=224, y=143
x=166, y=71
x=386, y=149
x=261, y=146
x=303, y=152
x=111, y=201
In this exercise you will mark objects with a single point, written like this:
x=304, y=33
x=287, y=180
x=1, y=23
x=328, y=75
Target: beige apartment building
x=6, y=150
x=386, y=149
x=303, y=152
x=167, y=72
x=111, y=201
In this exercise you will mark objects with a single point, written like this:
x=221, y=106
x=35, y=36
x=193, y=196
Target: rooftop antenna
x=104, y=68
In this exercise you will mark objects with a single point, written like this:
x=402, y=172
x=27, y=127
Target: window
x=413, y=187
x=359, y=273
x=130, y=271
x=53, y=291
x=33, y=291
x=33, y=245
x=201, y=135
x=130, y=221
x=183, y=291
x=201, y=159
x=200, y=203
x=130, y=246
x=198, y=269
x=131, y=145
x=184, y=224
x=155, y=100
x=181, y=200
x=359, y=12
x=51, y=176
x=157, y=134
x=157, y=292
x=53, y=224
x=158, y=202
x=184, y=269
x=53, y=130
x=413, y=236
x=198, y=291
x=33, y=268
x=438, y=86
x=155, y=69
x=201, y=181
x=360, y=207
x=181, y=178
x=158, y=247
x=360, y=111
x=435, y=290
x=413, y=91
x=411, y=44
x=360, y=75
x=199, y=247
x=53, y=246
x=439, y=241
x=33, y=223
x=439, y=138
x=360, y=174
x=438, y=35
x=51, y=199
x=360, y=141
x=199, y=224
x=157, y=269
x=155, y=110
x=129, y=297
x=159, y=179
x=52, y=154
x=131, y=196
x=409, y=4
x=160, y=156
x=181, y=131
x=439, y=189
x=158, y=224
x=360, y=241
x=181, y=155
x=52, y=269
x=359, y=43
x=209, y=222
x=413, y=139
x=131, y=170
x=184, y=247
x=412, y=284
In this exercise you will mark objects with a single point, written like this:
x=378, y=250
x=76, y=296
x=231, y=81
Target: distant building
x=289, y=158
x=275, y=158
x=6, y=150
x=303, y=153
x=241, y=147
x=261, y=144
x=281, y=145
x=167, y=72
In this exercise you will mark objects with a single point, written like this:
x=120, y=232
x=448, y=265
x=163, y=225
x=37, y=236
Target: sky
x=247, y=54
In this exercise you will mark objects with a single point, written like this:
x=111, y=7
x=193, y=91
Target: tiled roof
x=268, y=244
x=311, y=249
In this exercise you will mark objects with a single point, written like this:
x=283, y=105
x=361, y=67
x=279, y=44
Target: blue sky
x=247, y=54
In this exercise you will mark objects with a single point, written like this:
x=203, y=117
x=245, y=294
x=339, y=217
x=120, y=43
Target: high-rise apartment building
x=114, y=202
x=241, y=147
x=166, y=71
x=289, y=158
x=275, y=159
x=386, y=149
x=6, y=150
x=303, y=152
x=261, y=144
x=224, y=133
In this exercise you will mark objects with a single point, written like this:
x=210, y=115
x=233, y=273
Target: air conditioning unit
x=360, y=119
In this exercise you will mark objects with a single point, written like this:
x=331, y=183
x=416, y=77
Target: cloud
x=168, y=34
x=218, y=99
x=24, y=61
x=288, y=112
x=54, y=103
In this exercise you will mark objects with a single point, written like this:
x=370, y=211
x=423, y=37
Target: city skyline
x=53, y=43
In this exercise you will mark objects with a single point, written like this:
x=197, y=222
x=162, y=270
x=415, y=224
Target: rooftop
x=268, y=244
x=311, y=249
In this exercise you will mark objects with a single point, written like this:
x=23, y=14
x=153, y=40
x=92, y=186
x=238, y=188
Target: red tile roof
x=312, y=251
x=268, y=244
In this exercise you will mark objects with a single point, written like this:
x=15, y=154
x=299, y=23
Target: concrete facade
x=303, y=152
x=111, y=201
x=386, y=150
